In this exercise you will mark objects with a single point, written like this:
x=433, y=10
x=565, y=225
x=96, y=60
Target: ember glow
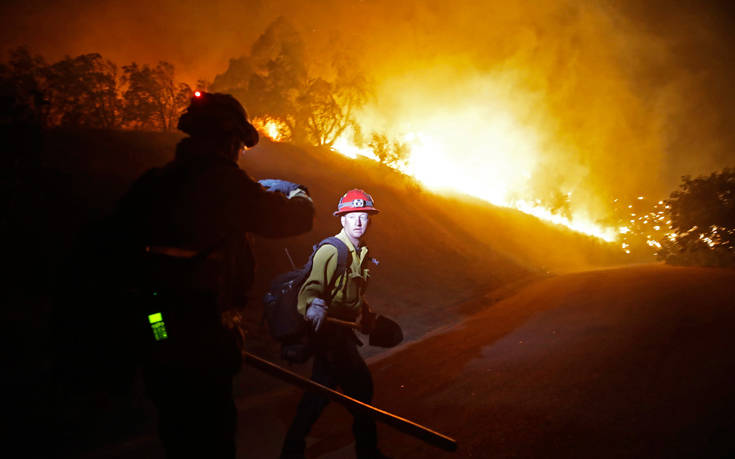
x=648, y=225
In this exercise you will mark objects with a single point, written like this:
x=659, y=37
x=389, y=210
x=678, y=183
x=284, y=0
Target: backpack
x=285, y=322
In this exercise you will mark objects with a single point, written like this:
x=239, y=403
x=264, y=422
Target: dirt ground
x=629, y=362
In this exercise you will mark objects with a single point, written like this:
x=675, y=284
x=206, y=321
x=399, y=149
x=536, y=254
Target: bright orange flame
x=484, y=137
x=276, y=130
x=431, y=162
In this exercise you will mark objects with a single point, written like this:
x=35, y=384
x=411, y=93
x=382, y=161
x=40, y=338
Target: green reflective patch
x=159, y=331
x=158, y=327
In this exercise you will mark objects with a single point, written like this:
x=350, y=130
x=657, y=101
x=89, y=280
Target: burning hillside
x=473, y=147
x=550, y=122
x=557, y=109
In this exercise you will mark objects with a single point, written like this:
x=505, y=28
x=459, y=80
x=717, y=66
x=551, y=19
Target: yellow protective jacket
x=348, y=288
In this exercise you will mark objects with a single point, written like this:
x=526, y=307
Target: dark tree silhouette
x=328, y=106
x=273, y=82
x=83, y=91
x=387, y=152
x=279, y=78
x=86, y=91
x=153, y=99
x=321, y=112
x=236, y=81
x=702, y=215
x=21, y=87
x=271, y=78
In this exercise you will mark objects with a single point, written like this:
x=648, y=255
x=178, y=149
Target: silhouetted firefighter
x=338, y=294
x=188, y=226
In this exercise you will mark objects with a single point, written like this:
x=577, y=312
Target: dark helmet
x=214, y=114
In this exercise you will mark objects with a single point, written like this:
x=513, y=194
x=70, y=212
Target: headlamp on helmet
x=356, y=200
x=216, y=115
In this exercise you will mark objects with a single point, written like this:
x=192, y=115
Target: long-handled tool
x=404, y=425
x=345, y=323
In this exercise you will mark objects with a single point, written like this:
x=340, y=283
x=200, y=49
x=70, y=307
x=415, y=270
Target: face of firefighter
x=355, y=225
x=231, y=148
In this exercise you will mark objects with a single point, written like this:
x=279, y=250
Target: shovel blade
x=387, y=333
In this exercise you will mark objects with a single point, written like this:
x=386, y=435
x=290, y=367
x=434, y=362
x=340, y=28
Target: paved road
x=632, y=362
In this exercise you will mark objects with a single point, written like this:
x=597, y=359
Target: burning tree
x=271, y=79
x=702, y=216
x=273, y=83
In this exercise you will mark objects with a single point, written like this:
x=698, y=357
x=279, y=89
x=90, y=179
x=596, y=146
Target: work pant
x=188, y=376
x=196, y=412
x=336, y=364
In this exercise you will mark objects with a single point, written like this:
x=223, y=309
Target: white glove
x=316, y=313
x=289, y=189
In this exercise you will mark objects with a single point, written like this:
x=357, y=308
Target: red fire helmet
x=355, y=201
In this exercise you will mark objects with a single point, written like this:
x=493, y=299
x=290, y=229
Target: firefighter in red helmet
x=187, y=227
x=337, y=361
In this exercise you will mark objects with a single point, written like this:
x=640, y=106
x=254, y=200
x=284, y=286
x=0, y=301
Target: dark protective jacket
x=199, y=203
x=205, y=202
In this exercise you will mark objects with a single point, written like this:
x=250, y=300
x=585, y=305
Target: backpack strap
x=343, y=254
